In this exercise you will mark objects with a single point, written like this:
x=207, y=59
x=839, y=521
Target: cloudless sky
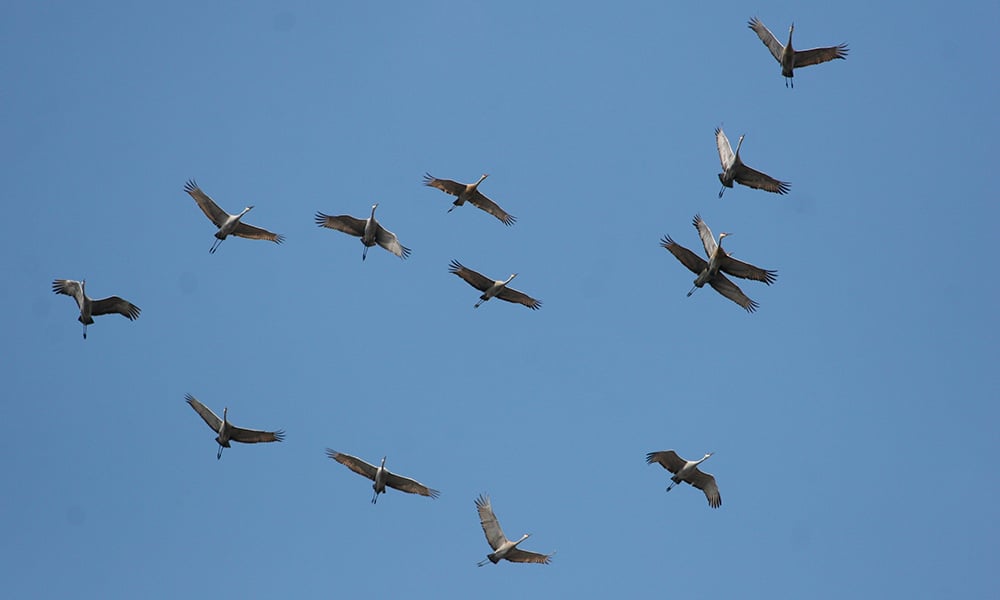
x=853, y=417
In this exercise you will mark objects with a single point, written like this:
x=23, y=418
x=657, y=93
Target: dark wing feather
x=757, y=180
x=353, y=463
x=206, y=413
x=250, y=232
x=768, y=38
x=254, y=436
x=706, y=483
x=445, y=185
x=471, y=277
x=491, y=527
x=114, y=304
x=207, y=205
x=390, y=242
x=738, y=268
x=69, y=288
x=727, y=288
x=410, y=486
x=692, y=261
x=524, y=556
x=707, y=239
x=345, y=223
x=480, y=201
x=668, y=459
x=814, y=56
x=511, y=295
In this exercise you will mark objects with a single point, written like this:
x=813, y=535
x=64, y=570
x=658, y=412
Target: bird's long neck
x=481, y=178
x=738, y=144
x=245, y=211
x=703, y=459
x=509, y=279
x=790, y=30
x=374, y=206
x=382, y=466
x=225, y=415
x=523, y=537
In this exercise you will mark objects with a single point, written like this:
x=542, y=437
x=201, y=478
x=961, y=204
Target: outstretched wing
x=692, y=261
x=512, y=295
x=761, y=181
x=353, y=463
x=727, y=288
x=738, y=268
x=480, y=201
x=768, y=38
x=814, y=56
x=524, y=556
x=706, y=483
x=206, y=413
x=707, y=239
x=254, y=436
x=473, y=278
x=345, y=223
x=668, y=459
x=114, y=304
x=491, y=527
x=726, y=156
x=445, y=185
x=410, y=486
x=390, y=242
x=207, y=205
x=69, y=288
x=250, y=232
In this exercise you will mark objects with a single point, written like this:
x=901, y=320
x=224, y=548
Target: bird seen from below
x=90, y=308
x=228, y=224
x=469, y=192
x=381, y=476
x=688, y=472
x=733, y=169
x=493, y=288
x=719, y=262
x=369, y=230
x=229, y=432
x=790, y=58
x=503, y=548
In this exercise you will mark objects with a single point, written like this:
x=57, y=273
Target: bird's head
x=724, y=234
x=225, y=411
x=247, y=209
x=383, y=461
x=708, y=454
x=791, y=28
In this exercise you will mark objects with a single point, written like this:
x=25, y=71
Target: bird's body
x=228, y=224
x=790, y=58
x=688, y=472
x=369, y=230
x=719, y=262
x=469, y=192
x=503, y=548
x=227, y=431
x=90, y=308
x=381, y=477
x=733, y=169
x=493, y=288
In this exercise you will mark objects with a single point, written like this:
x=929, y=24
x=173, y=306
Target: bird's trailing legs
x=219, y=454
x=215, y=246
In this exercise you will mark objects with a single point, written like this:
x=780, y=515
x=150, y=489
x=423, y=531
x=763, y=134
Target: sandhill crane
x=227, y=223
x=491, y=288
x=381, y=476
x=369, y=230
x=94, y=308
x=733, y=169
x=790, y=58
x=229, y=432
x=719, y=262
x=469, y=192
x=688, y=472
x=503, y=548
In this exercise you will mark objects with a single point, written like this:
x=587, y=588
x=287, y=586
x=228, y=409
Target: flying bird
x=228, y=224
x=733, y=169
x=503, y=548
x=469, y=192
x=493, y=288
x=229, y=432
x=90, y=308
x=688, y=472
x=711, y=272
x=790, y=58
x=369, y=230
x=381, y=476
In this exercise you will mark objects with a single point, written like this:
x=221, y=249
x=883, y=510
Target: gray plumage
x=493, y=288
x=229, y=432
x=90, y=308
x=228, y=224
x=790, y=58
x=688, y=472
x=369, y=230
x=733, y=169
x=381, y=476
x=469, y=192
x=503, y=548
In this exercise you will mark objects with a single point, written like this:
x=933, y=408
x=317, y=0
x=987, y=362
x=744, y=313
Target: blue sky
x=853, y=416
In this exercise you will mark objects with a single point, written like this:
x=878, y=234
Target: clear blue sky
x=853, y=417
